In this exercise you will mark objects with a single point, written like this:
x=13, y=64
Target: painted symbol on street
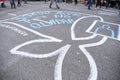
x=40, y=19
x=111, y=30
x=105, y=27
x=61, y=52
x=109, y=12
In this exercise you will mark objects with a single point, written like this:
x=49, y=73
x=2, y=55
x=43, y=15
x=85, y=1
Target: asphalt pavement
x=70, y=43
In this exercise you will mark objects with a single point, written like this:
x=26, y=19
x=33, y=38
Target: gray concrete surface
x=70, y=43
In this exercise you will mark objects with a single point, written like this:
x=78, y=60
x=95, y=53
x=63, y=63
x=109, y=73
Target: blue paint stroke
x=51, y=22
x=107, y=27
x=23, y=19
x=118, y=34
x=38, y=19
x=35, y=25
x=61, y=14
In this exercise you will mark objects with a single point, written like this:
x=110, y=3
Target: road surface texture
x=70, y=43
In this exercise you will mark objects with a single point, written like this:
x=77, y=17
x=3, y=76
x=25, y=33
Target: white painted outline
x=93, y=68
x=73, y=37
x=61, y=52
x=93, y=25
x=33, y=31
x=58, y=65
x=118, y=37
x=33, y=55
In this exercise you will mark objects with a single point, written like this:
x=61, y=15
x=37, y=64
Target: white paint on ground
x=73, y=37
x=23, y=33
x=34, y=55
x=118, y=37
x=109, y=12
x=33, y=31
x=91, y=26
x=61, y=52
x=41, y=20
x=93, y=67
x=12, y=14
x=94, y=23
x=58, y=66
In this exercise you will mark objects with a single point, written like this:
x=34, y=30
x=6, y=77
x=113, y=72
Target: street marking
x=23, y=33
x=41, y=20
x=91, y=26
x=107, y=27
x=109, y=12
x=33, y=31
x=106, y=13
x=112, y=28
x=62, y=51
x=93, y=73
x=12, y=14
x=59, y=17
x=73, y=37
x=58, y=66
x=118, y=37
x=34, y=55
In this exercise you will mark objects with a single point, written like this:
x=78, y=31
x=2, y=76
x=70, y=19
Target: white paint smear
x=14, y=29
x=73, y=37
x=93, y=68
x=33, y=31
